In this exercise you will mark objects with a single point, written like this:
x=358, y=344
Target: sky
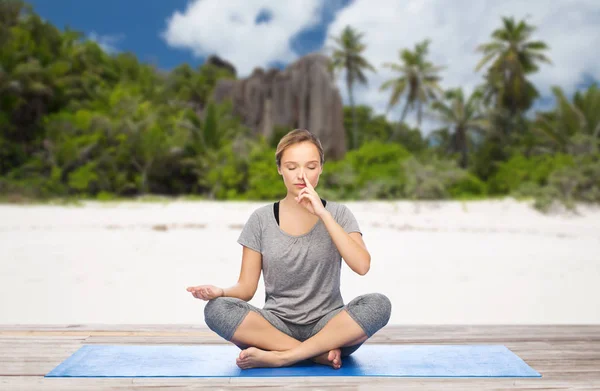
x=271, y=33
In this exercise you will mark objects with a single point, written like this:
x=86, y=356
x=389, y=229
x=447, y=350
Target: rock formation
x=303, y=95
x=219, y=62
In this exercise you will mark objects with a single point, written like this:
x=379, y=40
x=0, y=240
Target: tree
x=347, y=56
x=460, y=117
x=418, y=79
x=513, y=56
x=572, y=127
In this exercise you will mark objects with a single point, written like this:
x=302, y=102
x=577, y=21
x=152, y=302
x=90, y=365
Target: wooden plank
x=42, y=338
x=27, y=383
x=534, y=346
x=38, y=382
x=35, y=356
x=217, y=339
x=105, y=327
x=85, y=334
x=392, y=383
x=409, y=330
x=155, y=340
x=32, y=348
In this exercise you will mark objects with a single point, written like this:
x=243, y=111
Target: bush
x=338, y=180
x=105, y=196
x=520, y=169
x=225, y=173
x=33, y=188
x=468, y=186
x=567, y=185
x=374, y=170
x=264, y=182
x=432, y=179
x=84, y=178
x=577, y=183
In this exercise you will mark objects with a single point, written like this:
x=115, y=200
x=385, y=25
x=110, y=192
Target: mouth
x=300, y=185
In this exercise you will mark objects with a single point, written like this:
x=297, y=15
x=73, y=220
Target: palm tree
x=460, y=119
x=418, y=78
x=572, y=123
x=347, y=56
x=513, y=56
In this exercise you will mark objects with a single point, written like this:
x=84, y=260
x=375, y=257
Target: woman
x=298, y=243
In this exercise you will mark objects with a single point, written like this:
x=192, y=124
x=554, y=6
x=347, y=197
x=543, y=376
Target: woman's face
x=298, y=159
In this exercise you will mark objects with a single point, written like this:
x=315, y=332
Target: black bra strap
x=276, y=209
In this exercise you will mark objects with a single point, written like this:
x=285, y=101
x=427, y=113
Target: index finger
x=308, y=184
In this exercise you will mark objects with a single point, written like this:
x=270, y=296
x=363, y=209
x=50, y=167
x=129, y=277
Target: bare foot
x=332, y=358
x=256, y=358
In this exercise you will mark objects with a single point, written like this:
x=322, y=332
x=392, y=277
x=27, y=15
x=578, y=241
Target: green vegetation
x=78, y=123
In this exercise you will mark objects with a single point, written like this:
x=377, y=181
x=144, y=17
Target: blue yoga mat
x=219, y=361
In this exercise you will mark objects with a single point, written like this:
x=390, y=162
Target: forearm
x=356, y=256
x=238, y=290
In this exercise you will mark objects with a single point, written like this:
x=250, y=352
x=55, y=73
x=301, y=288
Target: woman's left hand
x=309, y=199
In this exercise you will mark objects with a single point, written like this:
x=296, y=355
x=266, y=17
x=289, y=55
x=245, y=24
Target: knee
x=380, y=308
x=218, y=312
x=384, y=307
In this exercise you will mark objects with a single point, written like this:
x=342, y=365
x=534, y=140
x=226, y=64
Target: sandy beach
x=476, y=262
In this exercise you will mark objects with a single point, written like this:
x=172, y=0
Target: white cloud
x=108, y=43
x=228, y=28
x=569, y=27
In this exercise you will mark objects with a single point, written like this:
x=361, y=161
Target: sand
x=477, y=262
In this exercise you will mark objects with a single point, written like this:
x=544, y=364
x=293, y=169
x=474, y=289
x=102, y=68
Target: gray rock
x=303, y=95
x=219, y=62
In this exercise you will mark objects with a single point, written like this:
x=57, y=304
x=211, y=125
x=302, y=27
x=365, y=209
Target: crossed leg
x=256, y=335
x=265, y=346
x=239, y=322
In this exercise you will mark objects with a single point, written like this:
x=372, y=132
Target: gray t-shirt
x=301, y=272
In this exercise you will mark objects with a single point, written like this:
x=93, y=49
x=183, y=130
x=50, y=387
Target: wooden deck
x=568, y=357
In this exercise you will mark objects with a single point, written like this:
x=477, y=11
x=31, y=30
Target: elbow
x=249, y=295
x=245, y=297
x=245, y=292
x=364, y=269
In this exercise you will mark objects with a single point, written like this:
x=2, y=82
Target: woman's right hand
x=206, y=292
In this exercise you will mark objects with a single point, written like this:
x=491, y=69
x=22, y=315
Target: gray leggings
x=372, y=311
